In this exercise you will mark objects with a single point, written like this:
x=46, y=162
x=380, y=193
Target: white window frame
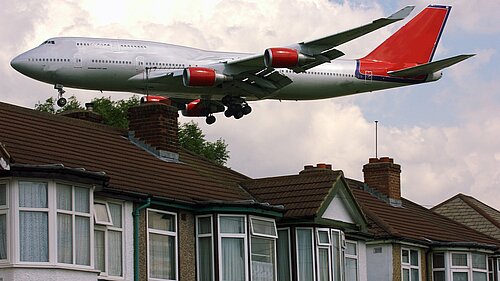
x=440, y=269
x=166, y=233
x=408, y=265
x=297, y=250
x=458, y=268
x=322, y=245
x=4, y=210
x=481, y=270
x=106, y=228
x=211, y=235
x=290, y=265
x=244, y=236
x=108, y=213
x=266, y=237
x=355, y=257
x=52, y=223
x=342, y=245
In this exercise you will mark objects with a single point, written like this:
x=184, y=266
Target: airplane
x=201, y=83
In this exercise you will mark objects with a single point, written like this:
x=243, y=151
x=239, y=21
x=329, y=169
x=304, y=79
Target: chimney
x=383, y=175
x=87, y=115
x=320, y=167
x=154, y=126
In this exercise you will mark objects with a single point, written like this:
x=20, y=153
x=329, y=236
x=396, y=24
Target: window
x=351, y=261
x=162, y=245
x=410, y=264
x=33, y=222
x=73, y=224
x=205, y=248
x=108, y=242
x=337, y=245
x=3, y=221
x=284, y=258
x=232, y=248
x=305, y=256
x=479, y=267
x=324, y=254
x=438, y=267
x=263, y=257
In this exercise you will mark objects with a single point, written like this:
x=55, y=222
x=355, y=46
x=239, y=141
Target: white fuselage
x=119, y=65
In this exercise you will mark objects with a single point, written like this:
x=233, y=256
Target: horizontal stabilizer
x=428, y=68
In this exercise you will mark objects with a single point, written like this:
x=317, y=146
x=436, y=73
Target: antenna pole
x=376, y=139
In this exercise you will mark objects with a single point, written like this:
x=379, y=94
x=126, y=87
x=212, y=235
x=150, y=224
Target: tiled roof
x=301, y=195
x=412, y=221
x=33, y=137
x=472, y=213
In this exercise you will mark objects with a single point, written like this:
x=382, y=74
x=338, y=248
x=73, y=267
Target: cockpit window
x=52, y=42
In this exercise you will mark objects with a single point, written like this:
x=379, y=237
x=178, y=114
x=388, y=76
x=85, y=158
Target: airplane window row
x=93, y=44
x=322, y=73
x=132, y=46
x=112, y=61
x=164, y=64
x=48, y=60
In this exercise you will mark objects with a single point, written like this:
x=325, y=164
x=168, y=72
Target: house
x=80, y=200
x=475, y=214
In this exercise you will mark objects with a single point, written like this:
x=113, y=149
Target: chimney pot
x=307, y=167
x=89, y=106
x=321, y=165
x=328, y=166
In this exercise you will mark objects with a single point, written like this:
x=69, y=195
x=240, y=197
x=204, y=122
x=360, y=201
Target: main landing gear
x=236, y=107
x=61, y=101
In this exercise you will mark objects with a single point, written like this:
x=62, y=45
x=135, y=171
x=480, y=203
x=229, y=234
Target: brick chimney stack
x=156, y=126
x=385, y=176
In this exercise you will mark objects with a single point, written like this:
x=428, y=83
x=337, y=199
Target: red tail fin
x=416, y=41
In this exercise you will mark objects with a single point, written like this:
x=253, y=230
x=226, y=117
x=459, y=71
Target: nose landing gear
x=61, y=101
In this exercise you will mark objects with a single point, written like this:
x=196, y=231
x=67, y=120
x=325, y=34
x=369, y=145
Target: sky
x=445, y=135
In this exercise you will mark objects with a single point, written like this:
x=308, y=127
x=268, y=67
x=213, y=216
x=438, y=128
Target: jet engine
x=198, y=108
x=147, y=99
x=285, y=58
x=202, y=77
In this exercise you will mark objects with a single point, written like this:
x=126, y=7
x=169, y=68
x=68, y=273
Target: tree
x=114, y=113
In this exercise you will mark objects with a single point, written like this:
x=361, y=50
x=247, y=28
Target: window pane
x=263, y=227
x=233, y=259
x=64, y=197
x=101, y=213
x=82, y=236
x=406, y=274
x=3, y=237
x=33, y=194
x=351, y=249
x=324, y=268
x=479, y=276
x=414, y=257
x=64, y=238
x=283, y=256
x=438, y=276
x=458, y=259
x=405, y=256
x=305, y=254
x=262, y=259
x=232, y=224
x=3, y=194
x=438, y=260
x=161, y=221
x=351, y=269
x=479, y=261
x=414, y=274
x=161, y=256
x=100, y=251
x=336, y=255
x=33, y=236
x=82, y=200
x=205, y=259
x=116, y=214
x=115, y=253
x=460, y=276
x=323, y=237
x=205, y=225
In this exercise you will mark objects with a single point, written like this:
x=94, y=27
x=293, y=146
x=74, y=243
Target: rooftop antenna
x=376, y=139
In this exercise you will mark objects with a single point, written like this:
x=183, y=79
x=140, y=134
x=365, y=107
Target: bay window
x=205, y=253
x=351, y=261
x=263, y=249
x=459, y=266
x=232, y=248
x=410, y=263
x=3, y=221
x=305, y=256
x=284, y=257
x=438, y=267
x=108, y=238
x=162, y=245
x=479, y=267
x=324, y=254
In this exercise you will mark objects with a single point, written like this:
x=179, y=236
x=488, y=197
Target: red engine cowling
x=198, y=108
x=285, y=58
x=202, y=77
x=146, y=99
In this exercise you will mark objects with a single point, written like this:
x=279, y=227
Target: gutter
x=136, y=214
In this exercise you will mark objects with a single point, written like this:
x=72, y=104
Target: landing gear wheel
x=61, y=102
x=228, y=113
x=210, y=119
x=238, y=114
x=246, y=110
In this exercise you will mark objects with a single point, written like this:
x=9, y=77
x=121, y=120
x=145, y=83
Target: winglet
x=401, y=14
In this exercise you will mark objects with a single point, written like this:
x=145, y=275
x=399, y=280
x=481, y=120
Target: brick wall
x=383, y=175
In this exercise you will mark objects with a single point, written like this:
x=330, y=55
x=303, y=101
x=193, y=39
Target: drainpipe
x=135, y=214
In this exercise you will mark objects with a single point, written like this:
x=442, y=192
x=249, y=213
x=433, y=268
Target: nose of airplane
x=16, y=63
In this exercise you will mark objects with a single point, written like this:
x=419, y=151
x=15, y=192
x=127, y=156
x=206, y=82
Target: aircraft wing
x=322, y=49
x=152, y=74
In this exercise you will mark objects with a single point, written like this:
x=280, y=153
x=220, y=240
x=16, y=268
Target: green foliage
x=114, y=113
x=49, y=105
x=191, y=137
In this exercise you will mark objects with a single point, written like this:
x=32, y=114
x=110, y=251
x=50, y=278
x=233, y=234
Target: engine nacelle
x=285, y=58
x=202, y=77
x=147, y=99
x=198, y=108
